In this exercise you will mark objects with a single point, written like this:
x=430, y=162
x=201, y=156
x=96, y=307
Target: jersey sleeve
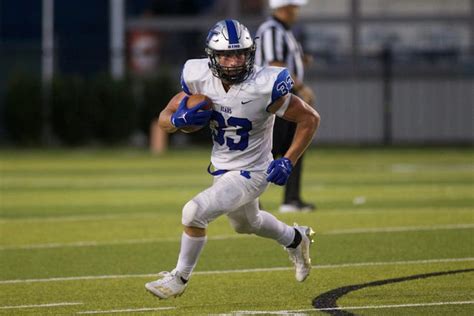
x=184, y=85
x=282, y=85
x=192, y=75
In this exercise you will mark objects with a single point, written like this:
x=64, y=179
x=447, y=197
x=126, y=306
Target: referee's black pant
x=283, y=133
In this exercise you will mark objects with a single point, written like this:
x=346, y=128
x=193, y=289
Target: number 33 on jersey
x=241, y=125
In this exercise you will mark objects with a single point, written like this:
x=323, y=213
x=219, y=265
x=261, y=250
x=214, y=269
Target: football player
x=245, y=99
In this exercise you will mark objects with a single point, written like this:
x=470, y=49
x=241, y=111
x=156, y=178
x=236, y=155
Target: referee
x=277, y=46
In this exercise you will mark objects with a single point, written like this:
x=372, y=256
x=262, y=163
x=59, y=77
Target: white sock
x=271, y=227
x=191, y=248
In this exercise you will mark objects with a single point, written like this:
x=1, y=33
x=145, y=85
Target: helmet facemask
x=236, y=74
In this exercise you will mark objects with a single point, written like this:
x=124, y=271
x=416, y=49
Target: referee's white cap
x=275, y=4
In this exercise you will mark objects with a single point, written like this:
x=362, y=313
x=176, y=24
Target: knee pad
x=190, y=215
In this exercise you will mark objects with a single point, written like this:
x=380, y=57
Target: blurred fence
x=425, y=110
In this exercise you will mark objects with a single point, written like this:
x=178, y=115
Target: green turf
x=382, y=214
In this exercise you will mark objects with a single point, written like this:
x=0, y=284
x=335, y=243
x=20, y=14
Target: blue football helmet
x=230, y=37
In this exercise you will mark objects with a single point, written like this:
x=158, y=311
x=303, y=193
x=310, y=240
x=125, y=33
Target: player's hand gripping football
x=194, y=116
x=279, y=171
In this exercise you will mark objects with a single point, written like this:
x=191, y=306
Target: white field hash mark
x=294, y=312
x=129, y=310
x=236, y=236
x=328, y=266
x=41, y=305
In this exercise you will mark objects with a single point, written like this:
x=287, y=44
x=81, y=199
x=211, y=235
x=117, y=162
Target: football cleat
x=300, y=255
x=169, y=285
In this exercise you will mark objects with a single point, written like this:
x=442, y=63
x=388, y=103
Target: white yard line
x=328, y=266
x=234, y=236
x=79, y=218
x=410, y=168
x=41, y=305
x=295, y=312
x=130, y=310
x=397, y=229
x=94, y=243
x=80, y=278
x=98, y=217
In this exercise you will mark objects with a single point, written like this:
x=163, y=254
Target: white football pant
x=235, y=195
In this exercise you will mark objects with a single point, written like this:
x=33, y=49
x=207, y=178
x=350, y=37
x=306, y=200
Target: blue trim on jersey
x=282, y=86
x=233, y=37
x=245, y=174
x=216, y=172
x=184, y=86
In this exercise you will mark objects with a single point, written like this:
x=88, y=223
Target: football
x=194, y=100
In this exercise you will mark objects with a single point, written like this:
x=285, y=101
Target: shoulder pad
x=272, y=83
x=275, y=81
x=194, y=72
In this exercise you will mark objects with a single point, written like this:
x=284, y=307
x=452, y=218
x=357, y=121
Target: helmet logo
x=233, y=46
x=211, y=34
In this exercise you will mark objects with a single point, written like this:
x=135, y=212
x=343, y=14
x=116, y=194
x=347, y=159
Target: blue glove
x=186, y=117
x=279, y=171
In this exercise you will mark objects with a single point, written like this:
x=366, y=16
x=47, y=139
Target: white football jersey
x=240, y=124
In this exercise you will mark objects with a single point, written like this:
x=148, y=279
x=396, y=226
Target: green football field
x=83, y=230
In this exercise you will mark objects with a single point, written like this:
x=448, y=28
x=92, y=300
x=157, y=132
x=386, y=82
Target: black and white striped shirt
x=276, y=43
